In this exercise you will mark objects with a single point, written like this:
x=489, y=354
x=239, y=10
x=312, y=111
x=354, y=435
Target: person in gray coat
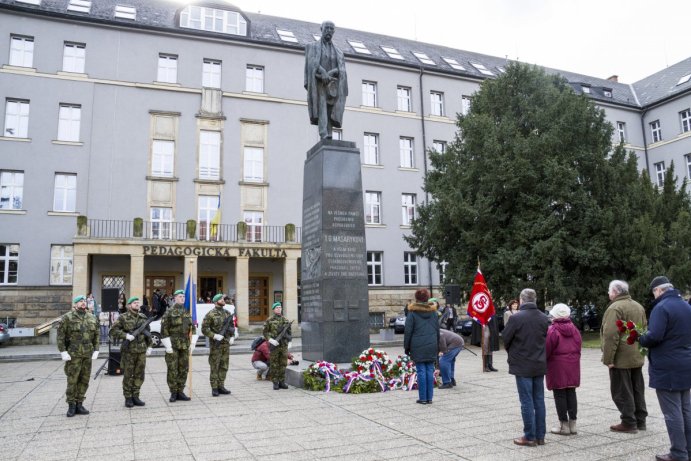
x=421, y=341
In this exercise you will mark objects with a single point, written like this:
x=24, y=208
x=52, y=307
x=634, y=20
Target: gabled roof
x=664, y=84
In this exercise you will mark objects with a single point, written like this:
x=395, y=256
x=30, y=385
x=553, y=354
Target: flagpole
x=482, y=345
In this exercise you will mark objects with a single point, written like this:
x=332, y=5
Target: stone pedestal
x=335, y=310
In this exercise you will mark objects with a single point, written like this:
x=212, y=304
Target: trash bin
x=386, y=334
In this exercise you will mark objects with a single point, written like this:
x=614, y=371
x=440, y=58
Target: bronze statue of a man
x=326, y=82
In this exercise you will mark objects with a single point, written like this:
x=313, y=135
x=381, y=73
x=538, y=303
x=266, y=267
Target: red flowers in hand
x=620, y=326
x=630, y=325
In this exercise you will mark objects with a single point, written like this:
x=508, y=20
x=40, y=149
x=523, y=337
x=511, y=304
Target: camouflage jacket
x=127, y=323
x=213, y=324
x=273, y=327
x=177, y=324
x=78, y=334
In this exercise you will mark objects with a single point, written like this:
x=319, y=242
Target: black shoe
x=453, y=382
x=137, y=402
x=223, y=390
x=421, y=402
x=282, y=385
x=71, y=410
x=446, y=386
x=490, y=364
x=81, y=410
x=276, y=386
x=182, y=396
x=173, y=397
x=429, y=402
x=214, y=392
x=128, y=402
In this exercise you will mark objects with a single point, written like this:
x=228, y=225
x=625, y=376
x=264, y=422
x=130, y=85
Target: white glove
x=273, y=342
x=65, y=356
x=167, y=344
x=148, y=351
x=193, y=343
x=129, y=337
x=231, y=341
x=94, y=356
x=236, y=333
x=290, y=344
x=218, y=337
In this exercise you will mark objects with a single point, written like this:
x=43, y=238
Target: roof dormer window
x=286, y=35
x=607, y=92
x=125, y=12
x=30, y=2
x=684, y=79
x=481, y=68
x=359, y=47
x=585, y=89
x=392, y=52
x=424, y=58
x=213, y=20
x=80, y=6
x=453, y=63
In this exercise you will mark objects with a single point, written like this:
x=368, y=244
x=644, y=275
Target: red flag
x=480, y=306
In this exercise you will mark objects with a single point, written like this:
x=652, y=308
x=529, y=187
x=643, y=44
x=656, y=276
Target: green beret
x=275, y=305
x=132, y=299
x=432, y=300
x=217, y=297
x=78, y=298
x=179, y=292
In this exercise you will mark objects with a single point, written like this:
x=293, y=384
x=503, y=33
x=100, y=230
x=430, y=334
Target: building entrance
x=258, y=298
x=166, y=285
x=209, y=287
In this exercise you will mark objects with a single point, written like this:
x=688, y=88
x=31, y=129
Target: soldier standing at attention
x=176, y=329
x=279, y=348
x=220, y=343
x=133, y=359
x=78, y=338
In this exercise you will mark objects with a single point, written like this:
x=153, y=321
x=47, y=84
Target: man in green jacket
x=176, y=330
x=624, y=361
x=279, y=347
x=219, y=351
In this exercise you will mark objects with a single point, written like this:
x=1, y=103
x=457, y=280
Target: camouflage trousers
x=178, y=363
x=278, y=363
x=133, y=365
x=218, y=362
x=78, y=372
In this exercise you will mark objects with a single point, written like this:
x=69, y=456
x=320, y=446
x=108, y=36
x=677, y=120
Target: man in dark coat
x=524, y=339
x=669, y=365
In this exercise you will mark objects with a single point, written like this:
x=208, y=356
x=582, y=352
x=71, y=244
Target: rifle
x=281, y=335
x=137, y=332
x=227, y=328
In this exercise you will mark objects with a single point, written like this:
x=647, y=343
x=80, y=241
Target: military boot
x=214, y=392
x=223, y=390
x=137, y=401
x=276, y=385
x=173, y=397
x=128, y=402
x=282, y=385
x=81, y=410
x=71, y=410
x=182, y=396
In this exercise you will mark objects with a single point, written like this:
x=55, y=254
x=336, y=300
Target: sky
x=600, y=38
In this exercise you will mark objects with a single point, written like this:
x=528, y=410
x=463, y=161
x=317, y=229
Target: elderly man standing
x=669, y=365
x=524, y=339
x=625, y=362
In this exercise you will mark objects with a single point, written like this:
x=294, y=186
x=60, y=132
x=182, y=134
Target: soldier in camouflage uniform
x=279, y=354
x=133, y=358
x=78, y=339
x=220, y=343
x=176, y=329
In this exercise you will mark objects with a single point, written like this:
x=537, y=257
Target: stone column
x=136, y=276
x=290, y=291
x=80, y=273
x=242, y=275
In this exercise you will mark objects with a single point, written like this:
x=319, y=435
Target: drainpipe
x=424, y=164
x=645, y=142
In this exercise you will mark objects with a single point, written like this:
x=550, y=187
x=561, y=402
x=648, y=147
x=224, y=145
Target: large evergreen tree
x=532, y=188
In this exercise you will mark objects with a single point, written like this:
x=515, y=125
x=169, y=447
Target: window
x=80, y=6
x=375, y=266
x=409, y=268
x=208, y=205
x=453, y=63
x=408, y=202
x=254, y=221
x=607, y=92
x=483, y=70
x=11, y=190
x=21, y=51
x=688, y=165
x=684, y=79
x=30, y=2
x=660, y=173
x=162, y=158
x=61, y=264
x=465, y=105
x=16, y=118
x=254, y=80
x=407, y=153
x=372, y=207
x=209, y=155
x=501, y=70
x=125, y=12
x=442, y=271
x=211, y=73
x=254, y=164
x=213, y=19
x=73, y=57
x=68, y=122
x=404, y=99
x=359, y=47
x=439, y=146
x=585, y=89
x=9, y=263
x=167, y=68
x=392, y=53
x=621, y=131
x=437, y=101
x=337, y=134
x=656, y=131
x=286, y=36
x=369, y=94
x=161, y=223
x=685, y=117
x=371, y=149
x=65, y=196
x=424, y=58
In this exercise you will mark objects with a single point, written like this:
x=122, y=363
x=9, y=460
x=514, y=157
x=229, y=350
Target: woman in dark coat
x=563, y=352
x=491, y=341
x=421, y=342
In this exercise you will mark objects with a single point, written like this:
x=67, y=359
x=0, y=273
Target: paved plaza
x=475, y=421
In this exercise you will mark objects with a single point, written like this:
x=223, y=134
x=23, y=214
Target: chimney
x=613, y=78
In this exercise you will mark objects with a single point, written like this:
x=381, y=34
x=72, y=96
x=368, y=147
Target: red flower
x=619, y=323
x=622, y=329
x=630, y=325
x=630, y=340
x=633, y=334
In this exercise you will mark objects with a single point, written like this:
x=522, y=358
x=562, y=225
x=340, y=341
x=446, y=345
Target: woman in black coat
x=421, y=341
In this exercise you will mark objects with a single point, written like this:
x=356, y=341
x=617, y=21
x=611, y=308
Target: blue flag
x=191, y=298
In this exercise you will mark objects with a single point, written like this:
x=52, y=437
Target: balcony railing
x=172, y=231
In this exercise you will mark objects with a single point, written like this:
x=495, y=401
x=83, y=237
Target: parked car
x=586, y=318
x=4, y=334
x=398, y=323
x=464, y=326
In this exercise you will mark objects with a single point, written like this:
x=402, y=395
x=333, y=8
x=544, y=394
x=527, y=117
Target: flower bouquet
x=322, y=376
x=371, y=370
x=403, y=374
x=633, y=332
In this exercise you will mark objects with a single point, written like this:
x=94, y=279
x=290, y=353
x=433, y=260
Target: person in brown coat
x=624, y=361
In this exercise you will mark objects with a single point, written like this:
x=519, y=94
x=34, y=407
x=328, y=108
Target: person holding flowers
x=625, y=363
x=669, y=368
x=421, y=341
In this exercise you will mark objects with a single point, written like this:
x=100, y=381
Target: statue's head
x=328, y=28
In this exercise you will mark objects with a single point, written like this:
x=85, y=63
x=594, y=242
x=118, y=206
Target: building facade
x=146, y=142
